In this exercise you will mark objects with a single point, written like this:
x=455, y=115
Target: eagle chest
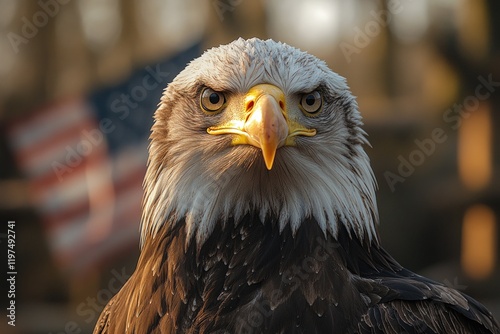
x=250, y=277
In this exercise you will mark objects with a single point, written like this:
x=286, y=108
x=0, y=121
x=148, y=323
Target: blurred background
x=80, y=80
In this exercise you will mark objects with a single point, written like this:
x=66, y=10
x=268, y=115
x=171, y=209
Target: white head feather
x=206, y=180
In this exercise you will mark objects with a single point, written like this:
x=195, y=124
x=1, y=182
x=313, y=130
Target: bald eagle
x=259, y=213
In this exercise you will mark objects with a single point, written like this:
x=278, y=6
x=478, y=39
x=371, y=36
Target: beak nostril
x=250, y=105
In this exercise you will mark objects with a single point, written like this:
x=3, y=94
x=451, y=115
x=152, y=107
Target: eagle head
x=258, y=127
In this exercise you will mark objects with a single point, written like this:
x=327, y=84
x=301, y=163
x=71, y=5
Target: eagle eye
x=212, y=101
x=311, y=102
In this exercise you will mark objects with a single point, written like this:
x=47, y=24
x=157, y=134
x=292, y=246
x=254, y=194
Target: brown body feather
x=250, y=278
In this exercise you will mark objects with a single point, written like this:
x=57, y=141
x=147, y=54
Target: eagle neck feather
x=208, y=193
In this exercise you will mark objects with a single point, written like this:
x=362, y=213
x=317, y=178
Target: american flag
x=85, y=160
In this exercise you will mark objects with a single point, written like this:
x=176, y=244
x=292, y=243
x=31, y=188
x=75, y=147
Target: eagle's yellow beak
x=265, y=123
